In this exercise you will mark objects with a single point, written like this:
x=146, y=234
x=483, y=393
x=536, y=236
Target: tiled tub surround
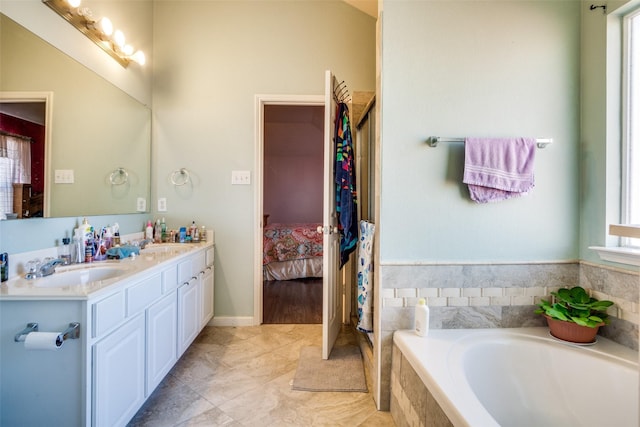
x=496, y=296
x=498, y=376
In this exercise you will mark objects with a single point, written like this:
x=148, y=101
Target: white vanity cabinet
x=188, y=313
x=132, y=331
x=119, y=374
x=162, y=339
x=207, y=289
x=155, y=320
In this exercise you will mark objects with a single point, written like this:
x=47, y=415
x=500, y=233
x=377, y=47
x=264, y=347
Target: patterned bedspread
x=287, y=242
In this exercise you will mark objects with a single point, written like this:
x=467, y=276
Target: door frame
x=47, y=99
x=260, y=102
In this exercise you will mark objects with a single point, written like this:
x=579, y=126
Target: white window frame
x=630, y=92
x=623, y=250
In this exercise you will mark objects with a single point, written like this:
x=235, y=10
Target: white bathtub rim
x=465, y=409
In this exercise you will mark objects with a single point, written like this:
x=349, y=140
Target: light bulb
x=118, y=37
x=106, y=26
x=127, y=49
x=139, y=57
x=73, y=3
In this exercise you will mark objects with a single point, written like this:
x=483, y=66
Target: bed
x=291, y=251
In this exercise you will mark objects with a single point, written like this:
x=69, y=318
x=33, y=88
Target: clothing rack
x=434, y=140
x=340, y=91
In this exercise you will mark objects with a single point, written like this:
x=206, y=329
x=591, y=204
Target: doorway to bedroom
x=292, y=203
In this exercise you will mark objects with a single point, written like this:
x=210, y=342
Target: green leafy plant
x=575, y=305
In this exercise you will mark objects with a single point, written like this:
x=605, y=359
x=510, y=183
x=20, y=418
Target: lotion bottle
x=149, y=231
x=422, y=318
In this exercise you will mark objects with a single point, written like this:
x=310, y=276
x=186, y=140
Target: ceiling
x=30, y=111
x=370, y=7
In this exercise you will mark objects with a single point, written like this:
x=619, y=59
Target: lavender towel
x=498, y=168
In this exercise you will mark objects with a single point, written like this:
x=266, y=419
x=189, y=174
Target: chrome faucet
x=37, y=269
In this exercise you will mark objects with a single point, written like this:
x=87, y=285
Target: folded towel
x=498, y=168
x=120, y=252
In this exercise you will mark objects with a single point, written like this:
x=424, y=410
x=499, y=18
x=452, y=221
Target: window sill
x=628, y=256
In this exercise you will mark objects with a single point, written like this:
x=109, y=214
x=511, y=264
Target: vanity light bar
x=82, y=19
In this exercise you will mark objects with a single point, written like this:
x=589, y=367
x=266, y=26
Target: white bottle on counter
x=422, y=318
x=149, y=231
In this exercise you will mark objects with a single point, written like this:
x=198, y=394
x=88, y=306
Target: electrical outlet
x=141, y=204
x=240, y=177
x=162, y=204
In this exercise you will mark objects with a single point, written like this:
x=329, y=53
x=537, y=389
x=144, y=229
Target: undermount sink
x=79, y=276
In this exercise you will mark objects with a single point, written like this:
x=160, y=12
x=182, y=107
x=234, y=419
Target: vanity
x=137, y=317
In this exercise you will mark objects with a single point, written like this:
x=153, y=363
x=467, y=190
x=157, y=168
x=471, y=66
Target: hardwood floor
x=292, y=301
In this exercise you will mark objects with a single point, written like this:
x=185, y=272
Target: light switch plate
x=240, y=177
x=141, y=204
x=162, y=204
x=63, y=176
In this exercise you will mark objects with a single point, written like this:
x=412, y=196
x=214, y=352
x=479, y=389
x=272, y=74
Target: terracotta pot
x=572, y=332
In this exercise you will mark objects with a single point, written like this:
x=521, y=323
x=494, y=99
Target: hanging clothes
x=345, y=182
x=365, y=277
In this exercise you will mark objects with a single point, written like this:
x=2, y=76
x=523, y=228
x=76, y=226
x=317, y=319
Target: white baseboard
x=231, y=321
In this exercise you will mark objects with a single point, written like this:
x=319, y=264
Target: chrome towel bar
x=434, y=140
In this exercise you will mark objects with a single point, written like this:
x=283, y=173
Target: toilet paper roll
x=43, y=341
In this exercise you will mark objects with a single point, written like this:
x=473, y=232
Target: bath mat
x=343, y=371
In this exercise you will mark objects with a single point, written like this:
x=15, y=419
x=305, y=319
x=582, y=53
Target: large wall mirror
x=96, y=135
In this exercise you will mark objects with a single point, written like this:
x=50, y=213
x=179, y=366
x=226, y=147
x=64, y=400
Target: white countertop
x=133, y=268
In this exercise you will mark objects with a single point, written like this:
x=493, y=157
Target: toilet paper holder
x=72, y=332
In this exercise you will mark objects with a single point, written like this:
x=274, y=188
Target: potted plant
x=575, y=316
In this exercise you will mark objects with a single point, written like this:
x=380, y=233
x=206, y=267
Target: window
x=631, y=125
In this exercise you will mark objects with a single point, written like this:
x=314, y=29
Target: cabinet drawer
x=210, y=256
x=170, y=279
x=144, y=293
x=185, y=271
x=107, y=313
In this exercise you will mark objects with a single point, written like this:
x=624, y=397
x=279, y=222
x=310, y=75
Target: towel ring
x=119, y=176
x=180, y=177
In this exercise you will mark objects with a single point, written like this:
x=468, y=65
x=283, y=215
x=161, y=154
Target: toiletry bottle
x=422, y=318
x=163, y=231
x=87, y=240
x=116, y=234
x=64, y=251
x=183, y=234
x=108, y=237
x=4, y=267
x=157, y=232
x=203, y=234
x=77, y=251
x=149, y=231
x=192, y=229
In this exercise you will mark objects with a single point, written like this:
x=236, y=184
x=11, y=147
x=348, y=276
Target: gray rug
x=343, y=371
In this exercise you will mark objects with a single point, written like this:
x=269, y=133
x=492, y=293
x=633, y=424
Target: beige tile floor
x=241, y=377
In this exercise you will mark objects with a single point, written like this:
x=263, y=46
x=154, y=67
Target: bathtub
x=524, y=377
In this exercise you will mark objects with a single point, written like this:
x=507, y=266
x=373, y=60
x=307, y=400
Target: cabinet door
x=118, y=373
x=188, y=313
x=206, y=288
x=162, y=338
